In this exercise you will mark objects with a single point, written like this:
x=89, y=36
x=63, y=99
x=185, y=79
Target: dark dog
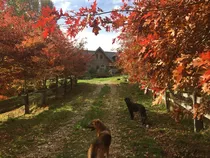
x=134, y=107
x=101, y=145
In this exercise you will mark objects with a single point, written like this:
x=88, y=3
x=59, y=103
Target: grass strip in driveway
x=78, y=141
x=95, y=110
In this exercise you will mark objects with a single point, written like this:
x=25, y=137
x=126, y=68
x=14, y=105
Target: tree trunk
x=71, y=82
x=44, y=83
x=154, y=95
x=44, y=94
x=198, y=123
x=75, y=81
x=39, y=6
x=44, y=98
x=26, y=98
x=26, y=103
x=65, y=86
x=56, y=90
x=167, y=102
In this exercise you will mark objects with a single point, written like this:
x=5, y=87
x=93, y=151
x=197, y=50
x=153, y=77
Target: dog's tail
x=95, y=149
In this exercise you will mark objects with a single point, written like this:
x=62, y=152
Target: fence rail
x=18, y=101
x=184, y=100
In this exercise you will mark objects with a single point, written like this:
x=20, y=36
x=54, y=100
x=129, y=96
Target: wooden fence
x=184, y=100
x=35, y=96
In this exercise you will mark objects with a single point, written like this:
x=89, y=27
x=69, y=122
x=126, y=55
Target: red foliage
x=31, y=51
x=94, y=6
x=165, y=43
x=2, y=97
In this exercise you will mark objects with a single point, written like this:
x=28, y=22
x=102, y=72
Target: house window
x=103, y=67
x=96, y=56
x=97, y=67
x=114, y=58
x=101, y=56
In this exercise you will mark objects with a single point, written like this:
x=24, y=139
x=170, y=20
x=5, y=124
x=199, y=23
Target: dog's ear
x=127, y=99
x=91, y=125
x=97, y=123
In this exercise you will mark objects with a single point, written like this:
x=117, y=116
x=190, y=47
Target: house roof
x=110, y=55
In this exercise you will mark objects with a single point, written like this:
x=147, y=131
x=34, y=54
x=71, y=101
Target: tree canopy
x=164, y=43
x=27, y=55
x=167, y=39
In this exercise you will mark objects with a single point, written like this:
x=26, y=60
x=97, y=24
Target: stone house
x=102, y=62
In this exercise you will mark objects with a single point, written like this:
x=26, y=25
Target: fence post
x=198, y=123
x=146, y=90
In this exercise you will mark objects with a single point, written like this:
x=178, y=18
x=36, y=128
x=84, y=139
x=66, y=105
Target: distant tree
x=21, y=6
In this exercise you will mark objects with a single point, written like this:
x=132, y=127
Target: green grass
x=135, y=138
x=180, y=137
x=21, y=131
x=95, y=110
x=30, y=129
x=147, y=147
x=164, y=138
x=113, y=80
x=79, y=140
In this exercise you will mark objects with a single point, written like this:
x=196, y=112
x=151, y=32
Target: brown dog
x=101, y=145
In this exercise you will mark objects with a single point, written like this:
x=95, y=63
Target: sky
x=103, y=39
